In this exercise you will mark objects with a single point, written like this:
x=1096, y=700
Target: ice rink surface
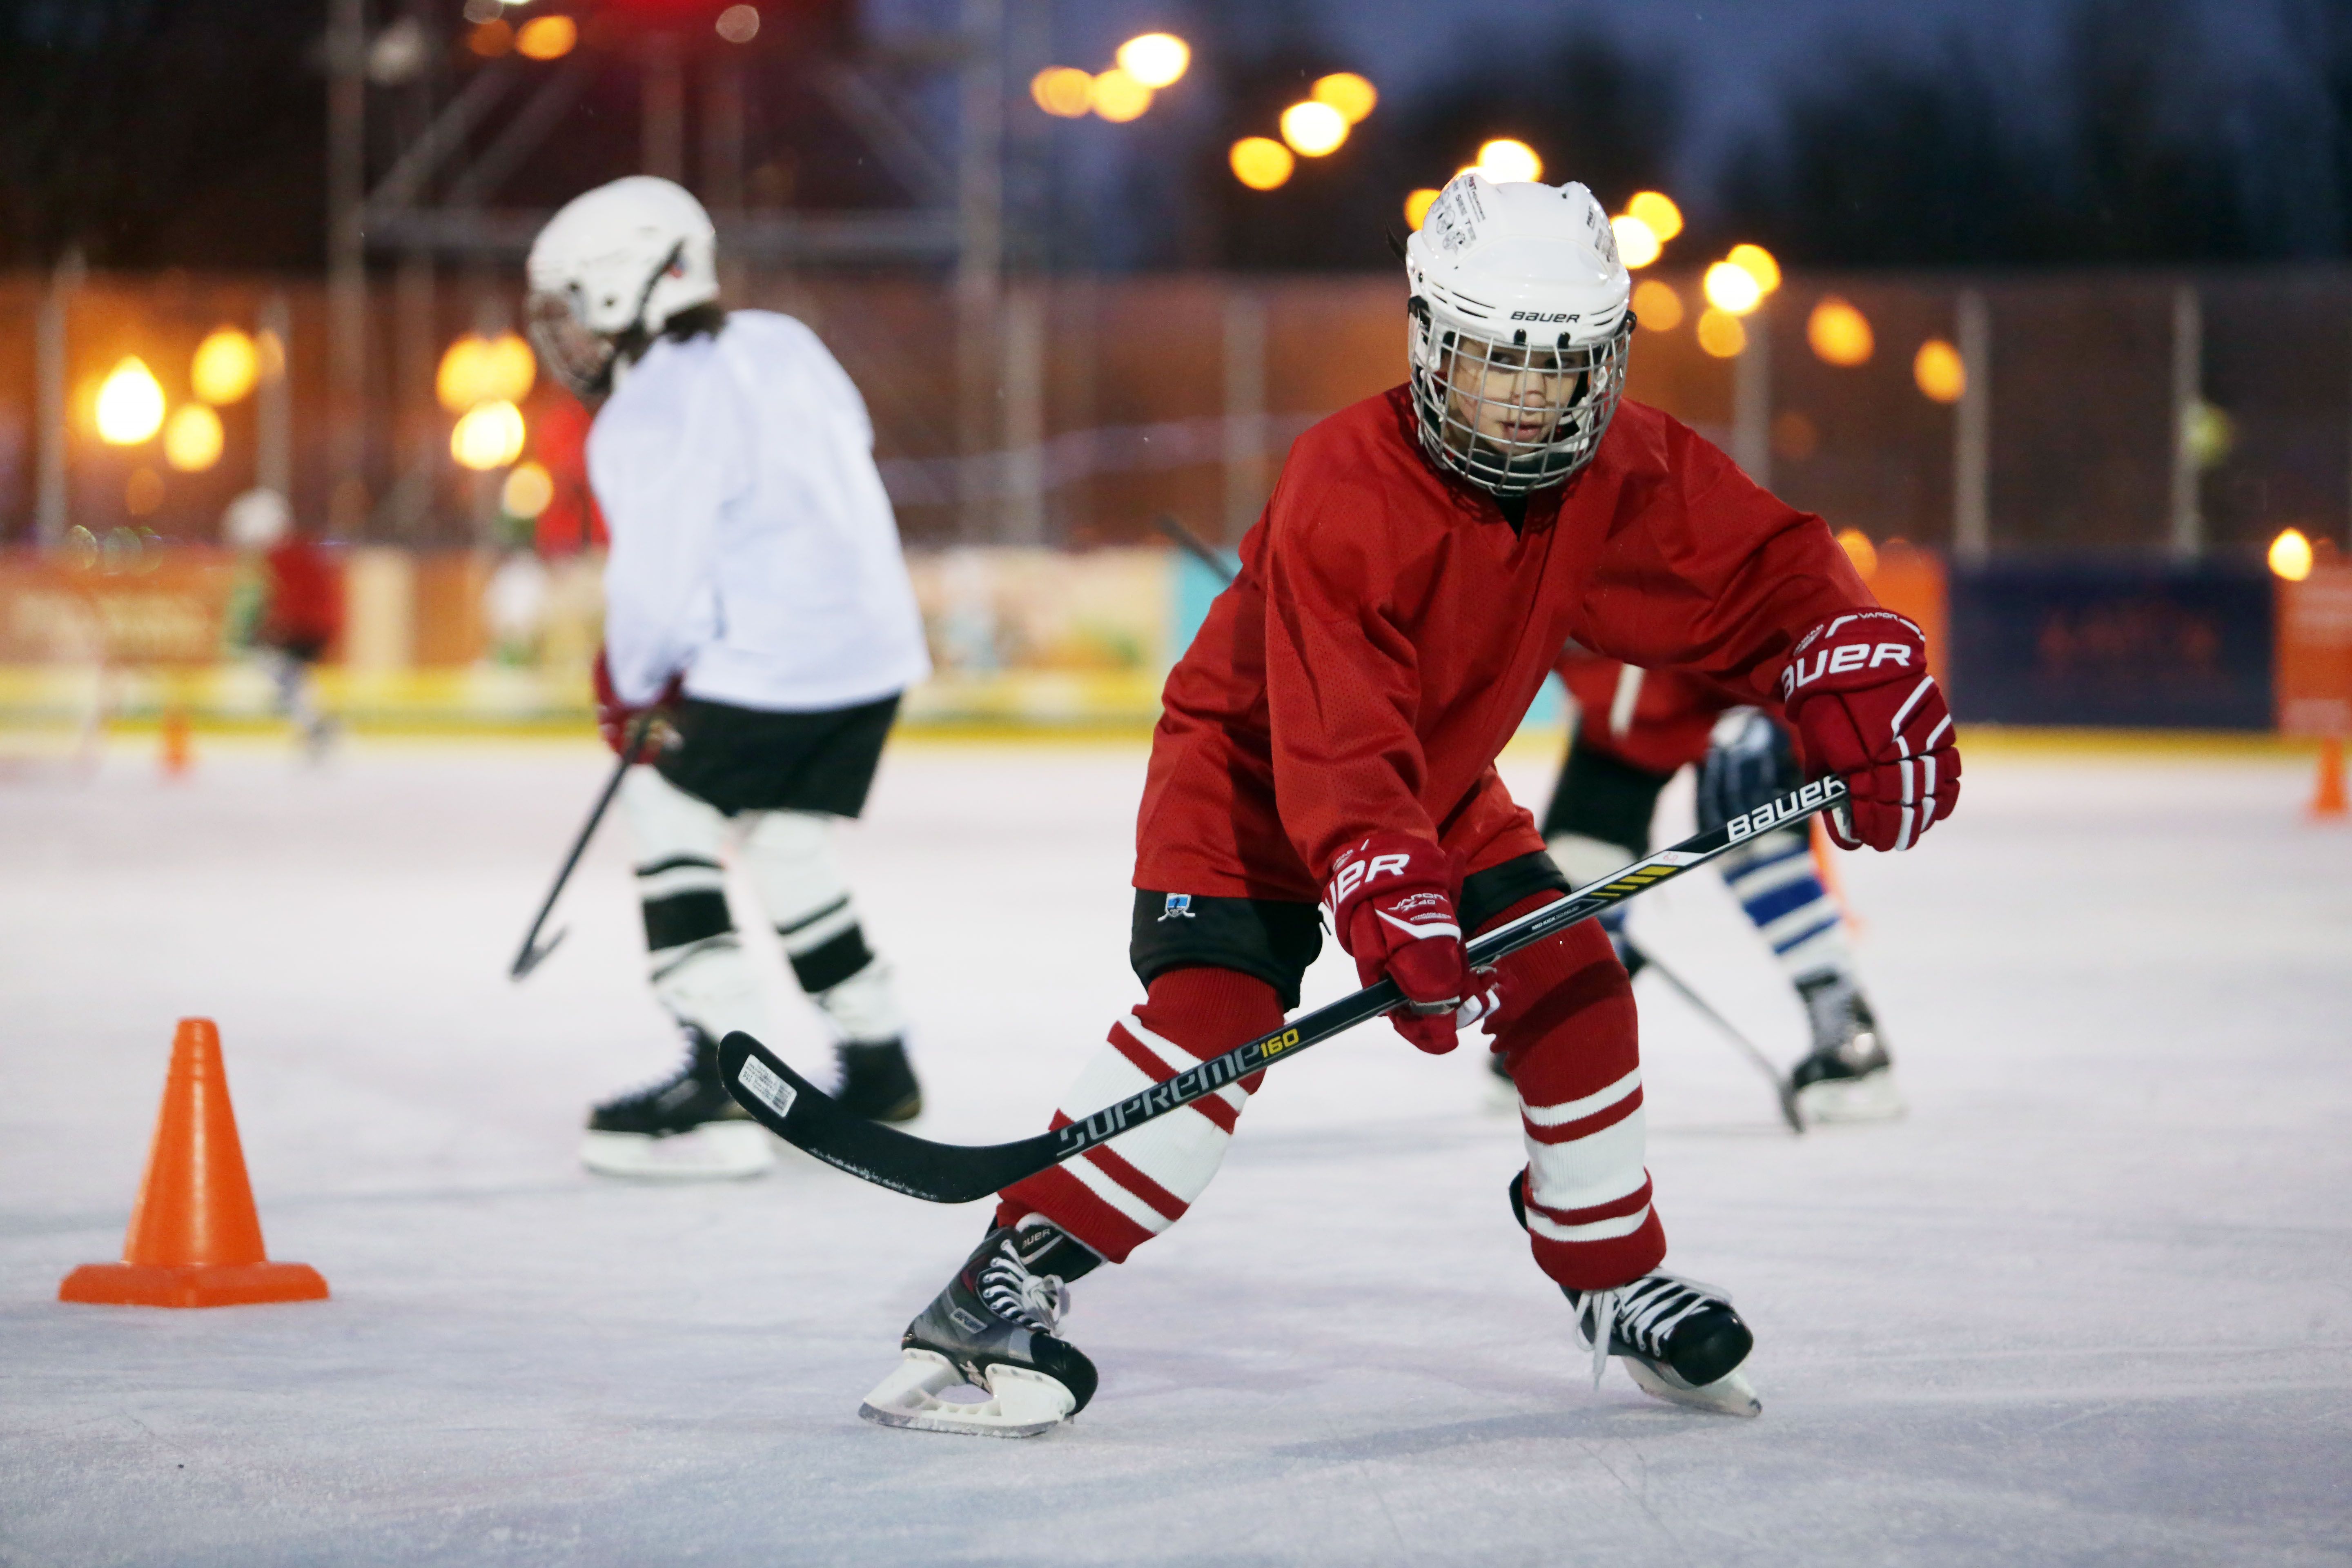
x=2091, y=1302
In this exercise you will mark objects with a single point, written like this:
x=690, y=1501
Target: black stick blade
x=815, y=1122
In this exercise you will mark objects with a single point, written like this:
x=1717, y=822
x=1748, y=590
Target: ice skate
x=1848, y=1076
x=684, y=1129
x=878, y=1083
x=992, y=1329
x=1680, y=1341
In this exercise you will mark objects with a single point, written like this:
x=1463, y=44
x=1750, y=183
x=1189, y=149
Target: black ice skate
x=993, y=1327
x=878, y=1083
x=1848, y=1076
x=686, y=1128
x=1681, y=1341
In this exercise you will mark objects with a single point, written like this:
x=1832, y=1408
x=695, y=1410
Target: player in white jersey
x=757, y=605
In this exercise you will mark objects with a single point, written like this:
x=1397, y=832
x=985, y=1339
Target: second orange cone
x=195, y=1238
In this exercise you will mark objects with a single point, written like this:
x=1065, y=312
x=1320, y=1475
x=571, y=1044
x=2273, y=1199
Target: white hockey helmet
x=1520, y=323
x=614, y=265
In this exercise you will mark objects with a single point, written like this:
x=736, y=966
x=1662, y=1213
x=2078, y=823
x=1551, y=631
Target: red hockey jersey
x=1390, y=628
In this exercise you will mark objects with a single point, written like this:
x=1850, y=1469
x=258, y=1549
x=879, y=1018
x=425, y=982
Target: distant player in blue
x=1635, y=730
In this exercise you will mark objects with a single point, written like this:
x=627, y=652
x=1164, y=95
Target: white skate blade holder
x=1730, y=1395
x=1021, y=1403
x=1870, y=1098
x=714, y=1152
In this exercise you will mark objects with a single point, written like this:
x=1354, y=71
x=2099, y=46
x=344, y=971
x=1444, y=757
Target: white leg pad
x=1021, y=1403
x=714, y=1152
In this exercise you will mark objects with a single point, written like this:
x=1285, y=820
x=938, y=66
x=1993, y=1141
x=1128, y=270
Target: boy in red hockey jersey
x=1330, y=736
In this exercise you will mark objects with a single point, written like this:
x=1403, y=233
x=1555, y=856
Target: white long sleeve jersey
x=753, y=547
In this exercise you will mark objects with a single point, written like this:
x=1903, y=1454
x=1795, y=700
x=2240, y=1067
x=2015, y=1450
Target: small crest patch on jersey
x=1180, y=905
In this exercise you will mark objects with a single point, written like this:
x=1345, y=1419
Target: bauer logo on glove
x=1858, y=694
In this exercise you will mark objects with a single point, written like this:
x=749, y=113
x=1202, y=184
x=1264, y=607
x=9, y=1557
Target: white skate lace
x=1035, y=1301
x=1644, y=1313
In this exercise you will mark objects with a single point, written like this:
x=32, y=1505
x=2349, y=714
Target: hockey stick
x=807, y=1117
x=1193, y=545
x=1208, y=556
x=533, y=953
x=1781, y=1089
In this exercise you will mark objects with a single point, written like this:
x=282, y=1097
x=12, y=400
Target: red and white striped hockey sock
x=1120, y=1194
x=1567, y=1034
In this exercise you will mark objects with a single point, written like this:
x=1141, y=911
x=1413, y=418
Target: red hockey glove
x=617, y=718
x=1392, y=903
x=1864, y=708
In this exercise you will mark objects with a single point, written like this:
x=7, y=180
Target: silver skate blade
x=714, y=1152
x=1022, y=1403
x=1729, y=1394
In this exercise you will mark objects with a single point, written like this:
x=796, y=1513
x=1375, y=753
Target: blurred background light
x=527, y=491
x=1860, y=551
x=1637, y=243
x=550, y=37
x=492, y=38
x=1656, y=305
x=1938, y=372
x=2291, y=555
x=193, y=438
x=1118, y=96
x=1731, y=289
x=487, y=437
x=227, y=365
x=1261, y=163
x=1720, y=333
x=738, y=24
x=1313, y=128
x=1758, y=263
x=1656, y=209
x=483, y=10
x=1506, y=158
x=476, y=369
x=1350, y=94
x=2209, y=434
x=1063, y=91
x=1417, y=206
x=142, y=492
x=1839, y=333
x=1155, y=60
x=130, y=404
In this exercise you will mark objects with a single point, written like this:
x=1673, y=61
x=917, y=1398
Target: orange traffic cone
x=195, y=1239
x=179, y=750
x=2327, y=800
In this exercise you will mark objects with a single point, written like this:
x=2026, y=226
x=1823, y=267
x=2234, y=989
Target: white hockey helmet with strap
x=1520, y=323
x=614, y=266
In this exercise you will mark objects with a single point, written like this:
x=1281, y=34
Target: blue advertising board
x=2132, y=644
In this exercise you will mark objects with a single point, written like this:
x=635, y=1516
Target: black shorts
x=744, y=759
x=1275, y=940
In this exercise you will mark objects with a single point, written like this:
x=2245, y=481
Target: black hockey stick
x=1210, y=556
x=807, y=1117
x=1193, y=545
x=1782, y=1089
x=533, y=953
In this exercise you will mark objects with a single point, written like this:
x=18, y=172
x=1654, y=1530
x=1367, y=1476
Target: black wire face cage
x=580, y=359
x=1514, y=417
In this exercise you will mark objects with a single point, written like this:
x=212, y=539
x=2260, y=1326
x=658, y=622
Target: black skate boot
x=1848, y=1076
x=993, y=1327
x=1681, y=1341
x=685, y=1127
x=878, y=1083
